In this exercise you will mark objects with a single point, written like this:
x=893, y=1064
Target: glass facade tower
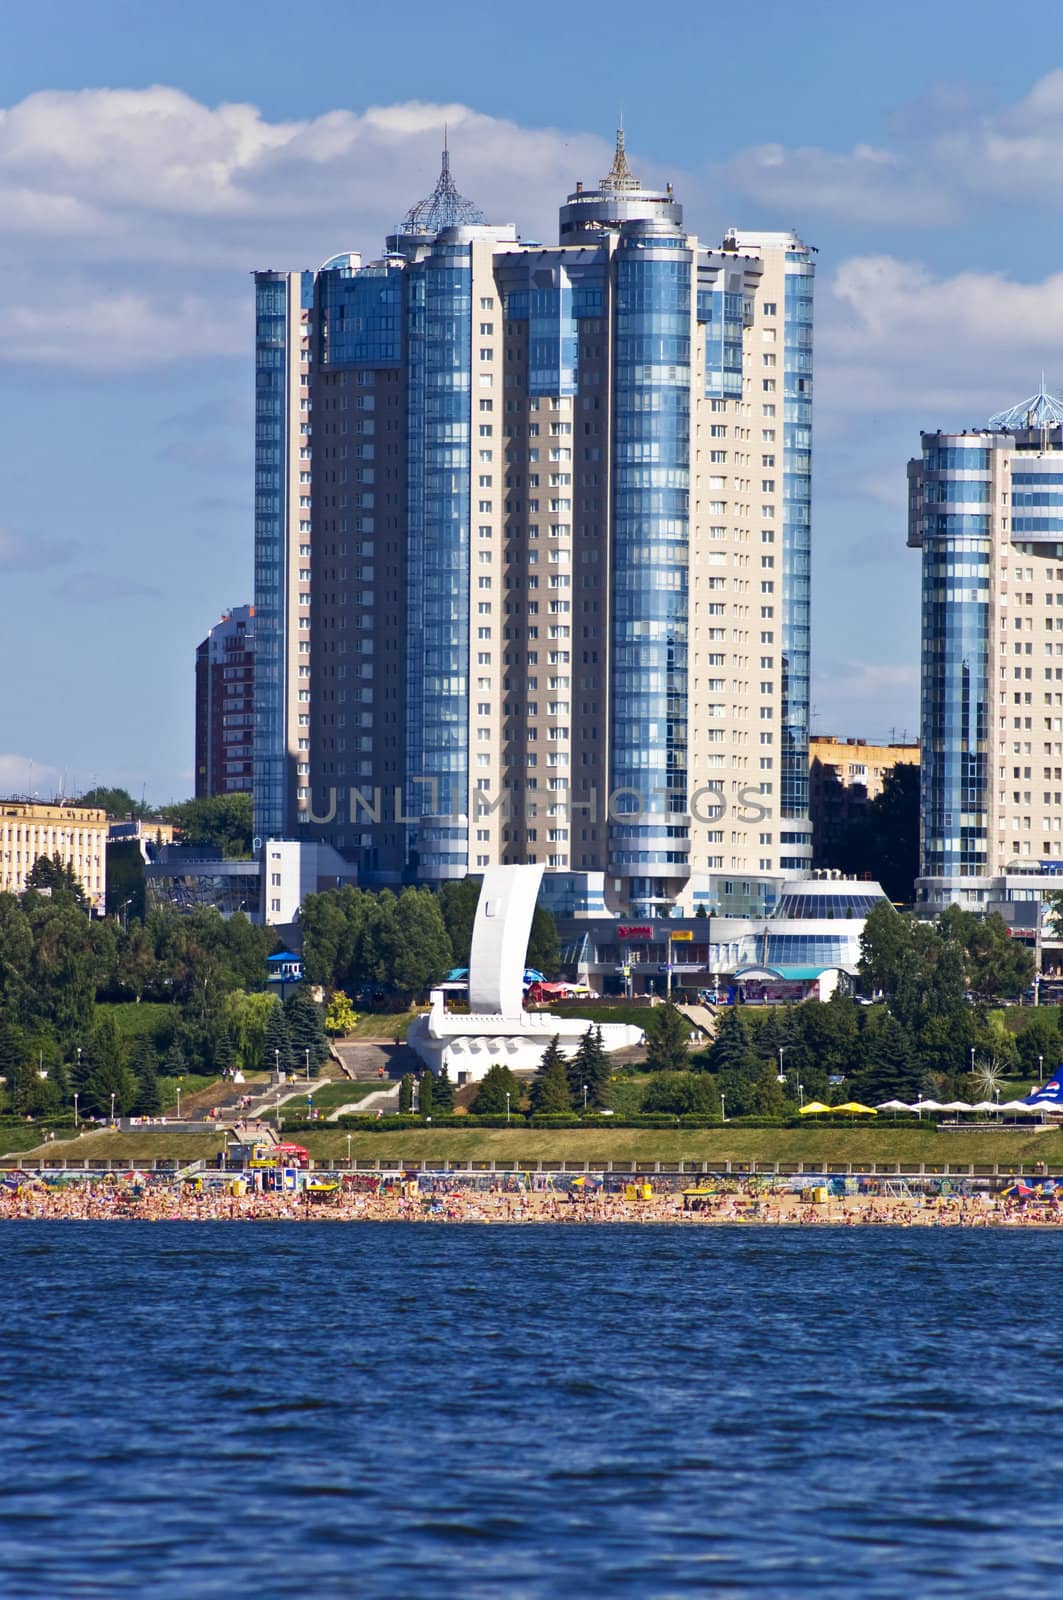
x=986, y=510
x=554, y=533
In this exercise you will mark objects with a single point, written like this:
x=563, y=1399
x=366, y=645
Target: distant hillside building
x=76, y=834
x=225, y=705
x=845, y=775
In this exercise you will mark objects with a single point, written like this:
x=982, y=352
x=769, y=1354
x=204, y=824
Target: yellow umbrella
x=853, y=1108
x=812, y=1108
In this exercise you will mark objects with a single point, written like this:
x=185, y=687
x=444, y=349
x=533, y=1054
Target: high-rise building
x=282, y=548
x=225, y=705
x=986, y=510
x=559, y=520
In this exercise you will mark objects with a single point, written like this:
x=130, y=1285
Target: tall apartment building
x=559, y=518
x=986, y=510
x=76, y=834
x=225, y=705
x=282, y=549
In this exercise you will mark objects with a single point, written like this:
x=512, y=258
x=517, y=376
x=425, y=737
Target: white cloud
x=952, y=154
x=865, y=184
x=21, y=554
x=23, y=775
x=895, y=336
x=131, y=217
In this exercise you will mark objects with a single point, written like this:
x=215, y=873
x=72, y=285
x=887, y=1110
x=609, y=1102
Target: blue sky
x=151, y=158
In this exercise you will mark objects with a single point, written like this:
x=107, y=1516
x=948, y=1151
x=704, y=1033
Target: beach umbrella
x=957, y=1105
x=985, y=1105
x=928, y=1105
x=1017, y=1105
x=853, y=1108
x=894, y=1105
x=812, y=1109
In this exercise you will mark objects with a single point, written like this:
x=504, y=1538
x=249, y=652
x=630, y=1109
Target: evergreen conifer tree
x=306, y=1026
x=406, y=1093
x=666, y=1040
x=426, y=1092
x=175, y=1064
x=550, y=1092
x=145, y=1068
x=277, y=1046
x=730, y=1047
x=588, y=1067
x=443, y=1093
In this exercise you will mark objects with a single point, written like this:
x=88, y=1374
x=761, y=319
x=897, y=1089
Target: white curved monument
x=497, y=1029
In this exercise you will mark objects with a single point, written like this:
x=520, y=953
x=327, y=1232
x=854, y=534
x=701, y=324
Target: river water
x=212, y=1409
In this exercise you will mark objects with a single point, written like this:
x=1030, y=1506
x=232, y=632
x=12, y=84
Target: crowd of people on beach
x=409, y=1202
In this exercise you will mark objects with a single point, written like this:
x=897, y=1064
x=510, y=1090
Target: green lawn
x=826, y=1146
x=155, y=1018
x=327, y=1095
x=138, y=1145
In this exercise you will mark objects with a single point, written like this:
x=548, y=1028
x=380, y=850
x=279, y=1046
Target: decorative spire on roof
x=620, y=175
x=1042, y=410
x=444, y=207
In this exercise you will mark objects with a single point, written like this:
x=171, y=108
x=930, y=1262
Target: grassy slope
x=829, y=1146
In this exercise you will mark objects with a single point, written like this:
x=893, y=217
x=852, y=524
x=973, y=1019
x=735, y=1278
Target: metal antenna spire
x=444, y=207
x=620, y=175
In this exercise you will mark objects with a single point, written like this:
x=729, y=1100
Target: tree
x=57, y=879
x=491, y=1096
x=307, y=1029
x=550, y=1091
x=340, y=1017
x=247, y=1018
x=667, y=1034
x=768, y=1097
x=422, y=957
x=731, y=1045
x=426, y=1092
x=144, y=1066
x=174, y=1063
x=406, y=1092
x=1039, y=1042
x=588, y=1068
x=544, y=947
x=108, y=1071
x=457, y=905
x=118, y=803
x=277, y=1046
x=443, y=1092
x=222, y=822
x=323, y=922
x=683, y=1094
x=891, y=1070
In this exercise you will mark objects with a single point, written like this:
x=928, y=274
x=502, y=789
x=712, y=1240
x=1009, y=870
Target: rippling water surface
x=206, y=1409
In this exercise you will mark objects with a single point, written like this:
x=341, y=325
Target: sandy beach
x=126, y=1201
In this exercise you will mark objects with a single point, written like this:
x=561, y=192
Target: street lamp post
x=112, y=1105
x=75, y=1111
x=277, y=1063
x=306, y=1053
x=584, y=1097
x=1040, y=1069
x=723, y=1108
x=178, y=1102
x=507, y=1108
x=801, y=1095
x=782, y=1051
x=972, y=1058
x=348, y=1150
